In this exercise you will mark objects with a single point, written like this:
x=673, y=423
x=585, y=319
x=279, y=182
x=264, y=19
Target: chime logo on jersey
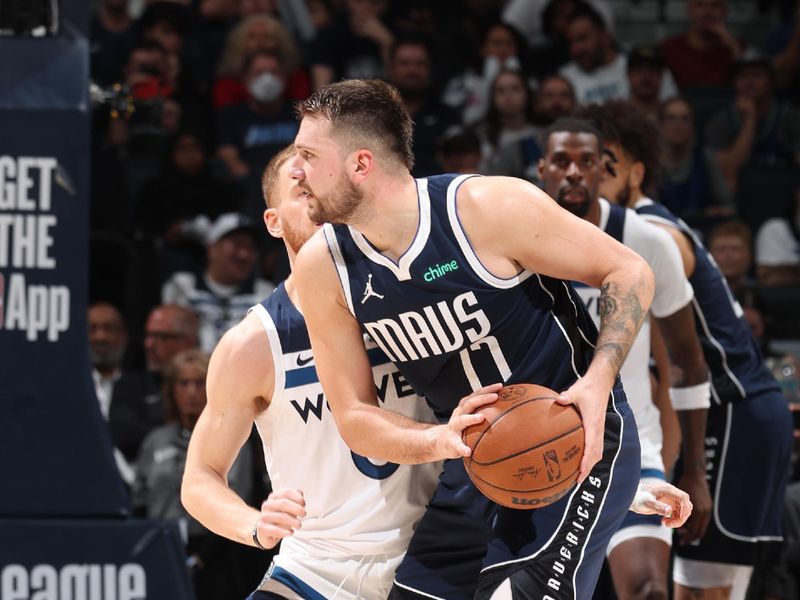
x=435, y=329
x=436, y=271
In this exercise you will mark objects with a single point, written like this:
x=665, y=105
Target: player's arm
x=346, y=375
x=522, y=227
x=240, y=378
x=670, y=448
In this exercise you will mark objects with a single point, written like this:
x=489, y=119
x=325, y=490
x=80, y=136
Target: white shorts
x=346, y=578
x=702, y=574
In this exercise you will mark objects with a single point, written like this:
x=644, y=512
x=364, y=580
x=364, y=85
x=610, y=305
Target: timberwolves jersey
x=354, y=505
x=672, y=292
x=737, y=368
x=448, y=323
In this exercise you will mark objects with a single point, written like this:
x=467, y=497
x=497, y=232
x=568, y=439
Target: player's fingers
x=475, y=402
x=285, y=505
x=281, y=519
x=274, y=532
x=565, y=398
x=592, y=452
x=295, y=496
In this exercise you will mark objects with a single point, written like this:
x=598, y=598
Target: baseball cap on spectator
x=227, y=224
x=752, y=57
x=645, y=56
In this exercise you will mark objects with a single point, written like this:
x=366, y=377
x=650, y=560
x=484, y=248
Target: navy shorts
x=465, y=546
x=748, y=450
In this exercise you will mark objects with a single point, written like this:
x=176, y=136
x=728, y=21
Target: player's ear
x=273, y=222
x=540, y=169
x=362, y=165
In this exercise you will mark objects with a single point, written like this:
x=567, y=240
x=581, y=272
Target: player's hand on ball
x=662, y=498
x=449, y=443
x=591, y=404
x=280, y=516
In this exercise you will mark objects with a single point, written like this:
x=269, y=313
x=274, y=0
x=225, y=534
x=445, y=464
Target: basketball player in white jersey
x=344, y=520
x=571, y=172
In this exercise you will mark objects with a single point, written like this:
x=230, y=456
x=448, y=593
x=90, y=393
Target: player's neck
x=291, y=291
x=391, y=216
x=636, y=196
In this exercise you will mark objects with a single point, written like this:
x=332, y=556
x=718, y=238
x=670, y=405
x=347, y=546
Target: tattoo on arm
x=621, y=315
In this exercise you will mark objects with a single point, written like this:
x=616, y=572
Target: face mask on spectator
x=266, y=87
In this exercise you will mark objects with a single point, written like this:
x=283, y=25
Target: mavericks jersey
x=354, y=506
x=672, y=292
x=449, y=324
x=737, y=367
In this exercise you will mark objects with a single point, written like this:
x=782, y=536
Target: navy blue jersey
x=737, y=367
x=450, y=325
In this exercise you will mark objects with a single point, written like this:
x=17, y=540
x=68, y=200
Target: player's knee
x=645, y=586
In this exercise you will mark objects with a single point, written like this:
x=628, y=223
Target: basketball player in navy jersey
x=345, y=521
x=638, y=553
x=502, y=312
x=749, y=431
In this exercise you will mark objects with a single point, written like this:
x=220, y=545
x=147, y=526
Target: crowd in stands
x=199, y=96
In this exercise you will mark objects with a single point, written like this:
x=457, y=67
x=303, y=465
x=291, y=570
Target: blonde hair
x=188, y=358
x=232, y=62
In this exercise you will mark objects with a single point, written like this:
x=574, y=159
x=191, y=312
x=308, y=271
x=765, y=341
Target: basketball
x=527, y=452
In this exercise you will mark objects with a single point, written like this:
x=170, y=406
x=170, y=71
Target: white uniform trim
x=275, y=349
x=466, y=247
x=416, y=591
x=341, y=267
x=561, y=327
x=402, y=268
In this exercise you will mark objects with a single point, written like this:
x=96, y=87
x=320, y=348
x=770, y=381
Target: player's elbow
x=191, y=494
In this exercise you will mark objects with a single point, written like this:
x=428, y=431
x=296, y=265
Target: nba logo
x=2, y=298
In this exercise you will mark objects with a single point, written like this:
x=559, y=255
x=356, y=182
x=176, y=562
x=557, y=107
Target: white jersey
x=672, y=292
x=355, y=507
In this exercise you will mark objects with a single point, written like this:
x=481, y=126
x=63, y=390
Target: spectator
x=170, y=205
x=250, y=132
x=645, y=75
x=459, y=150
x=222, y=294
x=535, y=18
x=258, y=32
x=356, y=46
x=169, y=329
x=159, y=470
x=783, y=48
x=555, y=99
x=758, y=129
x=598, y=70
x=130, y=417
x=778, y=249
x=705, y=54
x=511, y=145
x=731, y=243
x=501, y=48
x=410, y=73
x=692, y=182
x=112, y=36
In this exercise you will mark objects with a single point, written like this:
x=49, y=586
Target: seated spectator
x=223, y=292
x=159, y=471
x=598, y=70
x=258, y=32
x=251, y=132
x=169, y=330
x=410, y=73
x=778, y=250
x=185, y=192
x=130, y=417
x=511, y=144
x=501, y=48
x=112, y=36
x=731, y=243
x=356, y=46
x=758, y=129
x=645, y=75
x=692, y=183
x=459, y=150
x=705, y=54
x=554, y=99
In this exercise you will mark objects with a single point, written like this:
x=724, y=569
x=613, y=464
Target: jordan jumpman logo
x=368, y=291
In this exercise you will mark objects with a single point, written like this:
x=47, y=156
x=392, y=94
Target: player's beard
x=338, y=206
x=579, y=210
x=295, y=237
x=623, y=196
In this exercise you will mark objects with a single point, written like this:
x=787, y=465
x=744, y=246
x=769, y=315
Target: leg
x=639, y=569
x=699, y=580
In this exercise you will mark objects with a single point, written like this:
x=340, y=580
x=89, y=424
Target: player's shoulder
x=492, y=195
x=243, y=354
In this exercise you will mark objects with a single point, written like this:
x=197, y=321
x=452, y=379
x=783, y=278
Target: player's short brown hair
x=369, y=109
x=269, y=178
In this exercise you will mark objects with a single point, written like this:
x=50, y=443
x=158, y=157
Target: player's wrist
x=256, y=541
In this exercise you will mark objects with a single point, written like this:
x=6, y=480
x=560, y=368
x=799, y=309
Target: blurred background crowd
x=191, y=98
